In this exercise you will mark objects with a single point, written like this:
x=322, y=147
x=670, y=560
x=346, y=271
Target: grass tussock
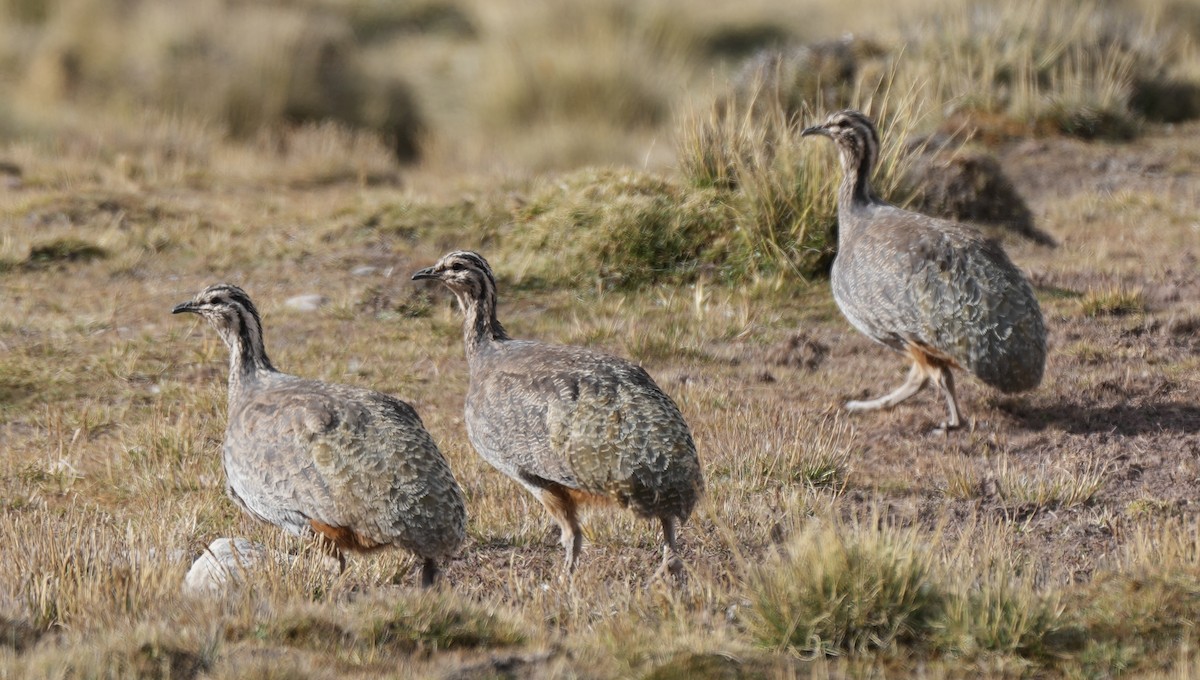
x=614, y=227
x=73, y=572
x=1050, y=489
x=821, y=457
x=431, y=624
x=998, y=609
x=1003, y=614
x=1137, y=610
x=782, y=188
x=1048, y=67
x=387, y=627
x=844, y=591
x=444, y=78
x=1040, y=488
x=316, y=154
x=1112, y=301
x=850, y=589
x=63, y=250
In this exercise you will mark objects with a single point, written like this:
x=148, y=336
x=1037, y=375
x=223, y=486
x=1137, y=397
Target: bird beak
x=814, y=130
x=182, y=307
x=426, y=273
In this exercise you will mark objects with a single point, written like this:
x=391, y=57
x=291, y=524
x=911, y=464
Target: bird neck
x=247, y=356
x=481, y=328
x=856, y=191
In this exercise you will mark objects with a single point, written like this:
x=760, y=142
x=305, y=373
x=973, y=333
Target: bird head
x=462, y=271
x=220, y=304
x=855, y=136
x=843, y=126
x=229, y=310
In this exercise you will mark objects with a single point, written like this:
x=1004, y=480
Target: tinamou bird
x=354, y=467
x=932, y=289
x=572, y=425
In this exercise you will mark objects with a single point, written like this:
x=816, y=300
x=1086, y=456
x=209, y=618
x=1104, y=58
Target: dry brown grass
x=1054, y=538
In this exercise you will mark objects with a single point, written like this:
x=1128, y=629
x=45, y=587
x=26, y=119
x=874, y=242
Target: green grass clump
x=840, y=590
x=1113, y=301
x=436, y=623
x=1137, y=610
x=65, y=249
x=856, y=590
x=1136, y=619
x=614, y=227
x=440, y=223
x=394, y=625
x=822, y=456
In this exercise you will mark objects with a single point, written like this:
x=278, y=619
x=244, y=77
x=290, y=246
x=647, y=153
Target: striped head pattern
x=464, y=272
x=229, y=310
x=470, y=278
x=858, y=141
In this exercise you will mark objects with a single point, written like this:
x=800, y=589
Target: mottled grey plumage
x=570, y=424
x=354, y=466
x=934, y=289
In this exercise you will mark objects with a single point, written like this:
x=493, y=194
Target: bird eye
x=458, y=266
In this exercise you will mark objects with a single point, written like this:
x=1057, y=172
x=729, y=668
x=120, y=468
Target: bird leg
x=429, y=572
x=917, y=377
x=944, y=380
x=563, y=509
x=671, y=562
x=330, y=549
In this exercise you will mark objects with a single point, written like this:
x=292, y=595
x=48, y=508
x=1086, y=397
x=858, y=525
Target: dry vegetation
x=633, y=171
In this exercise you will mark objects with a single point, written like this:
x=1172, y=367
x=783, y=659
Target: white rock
x=364, y=270
x=307, y=303
x=221, y=566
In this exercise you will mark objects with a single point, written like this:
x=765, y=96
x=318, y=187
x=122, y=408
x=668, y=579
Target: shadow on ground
x=1123, y=419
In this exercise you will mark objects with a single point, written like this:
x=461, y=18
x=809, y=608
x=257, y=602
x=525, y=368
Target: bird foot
x=672, y=568
x=944, y=428
x=335, y=565
x=566, y=577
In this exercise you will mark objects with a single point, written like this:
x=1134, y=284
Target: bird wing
x=508, y=415
x=268, y=459
x=944, y=288
x=345, y=457
x=586, y=420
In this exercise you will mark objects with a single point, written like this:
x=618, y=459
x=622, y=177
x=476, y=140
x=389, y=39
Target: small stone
x=221, y=566
x=307, y=303
x=363, y=270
